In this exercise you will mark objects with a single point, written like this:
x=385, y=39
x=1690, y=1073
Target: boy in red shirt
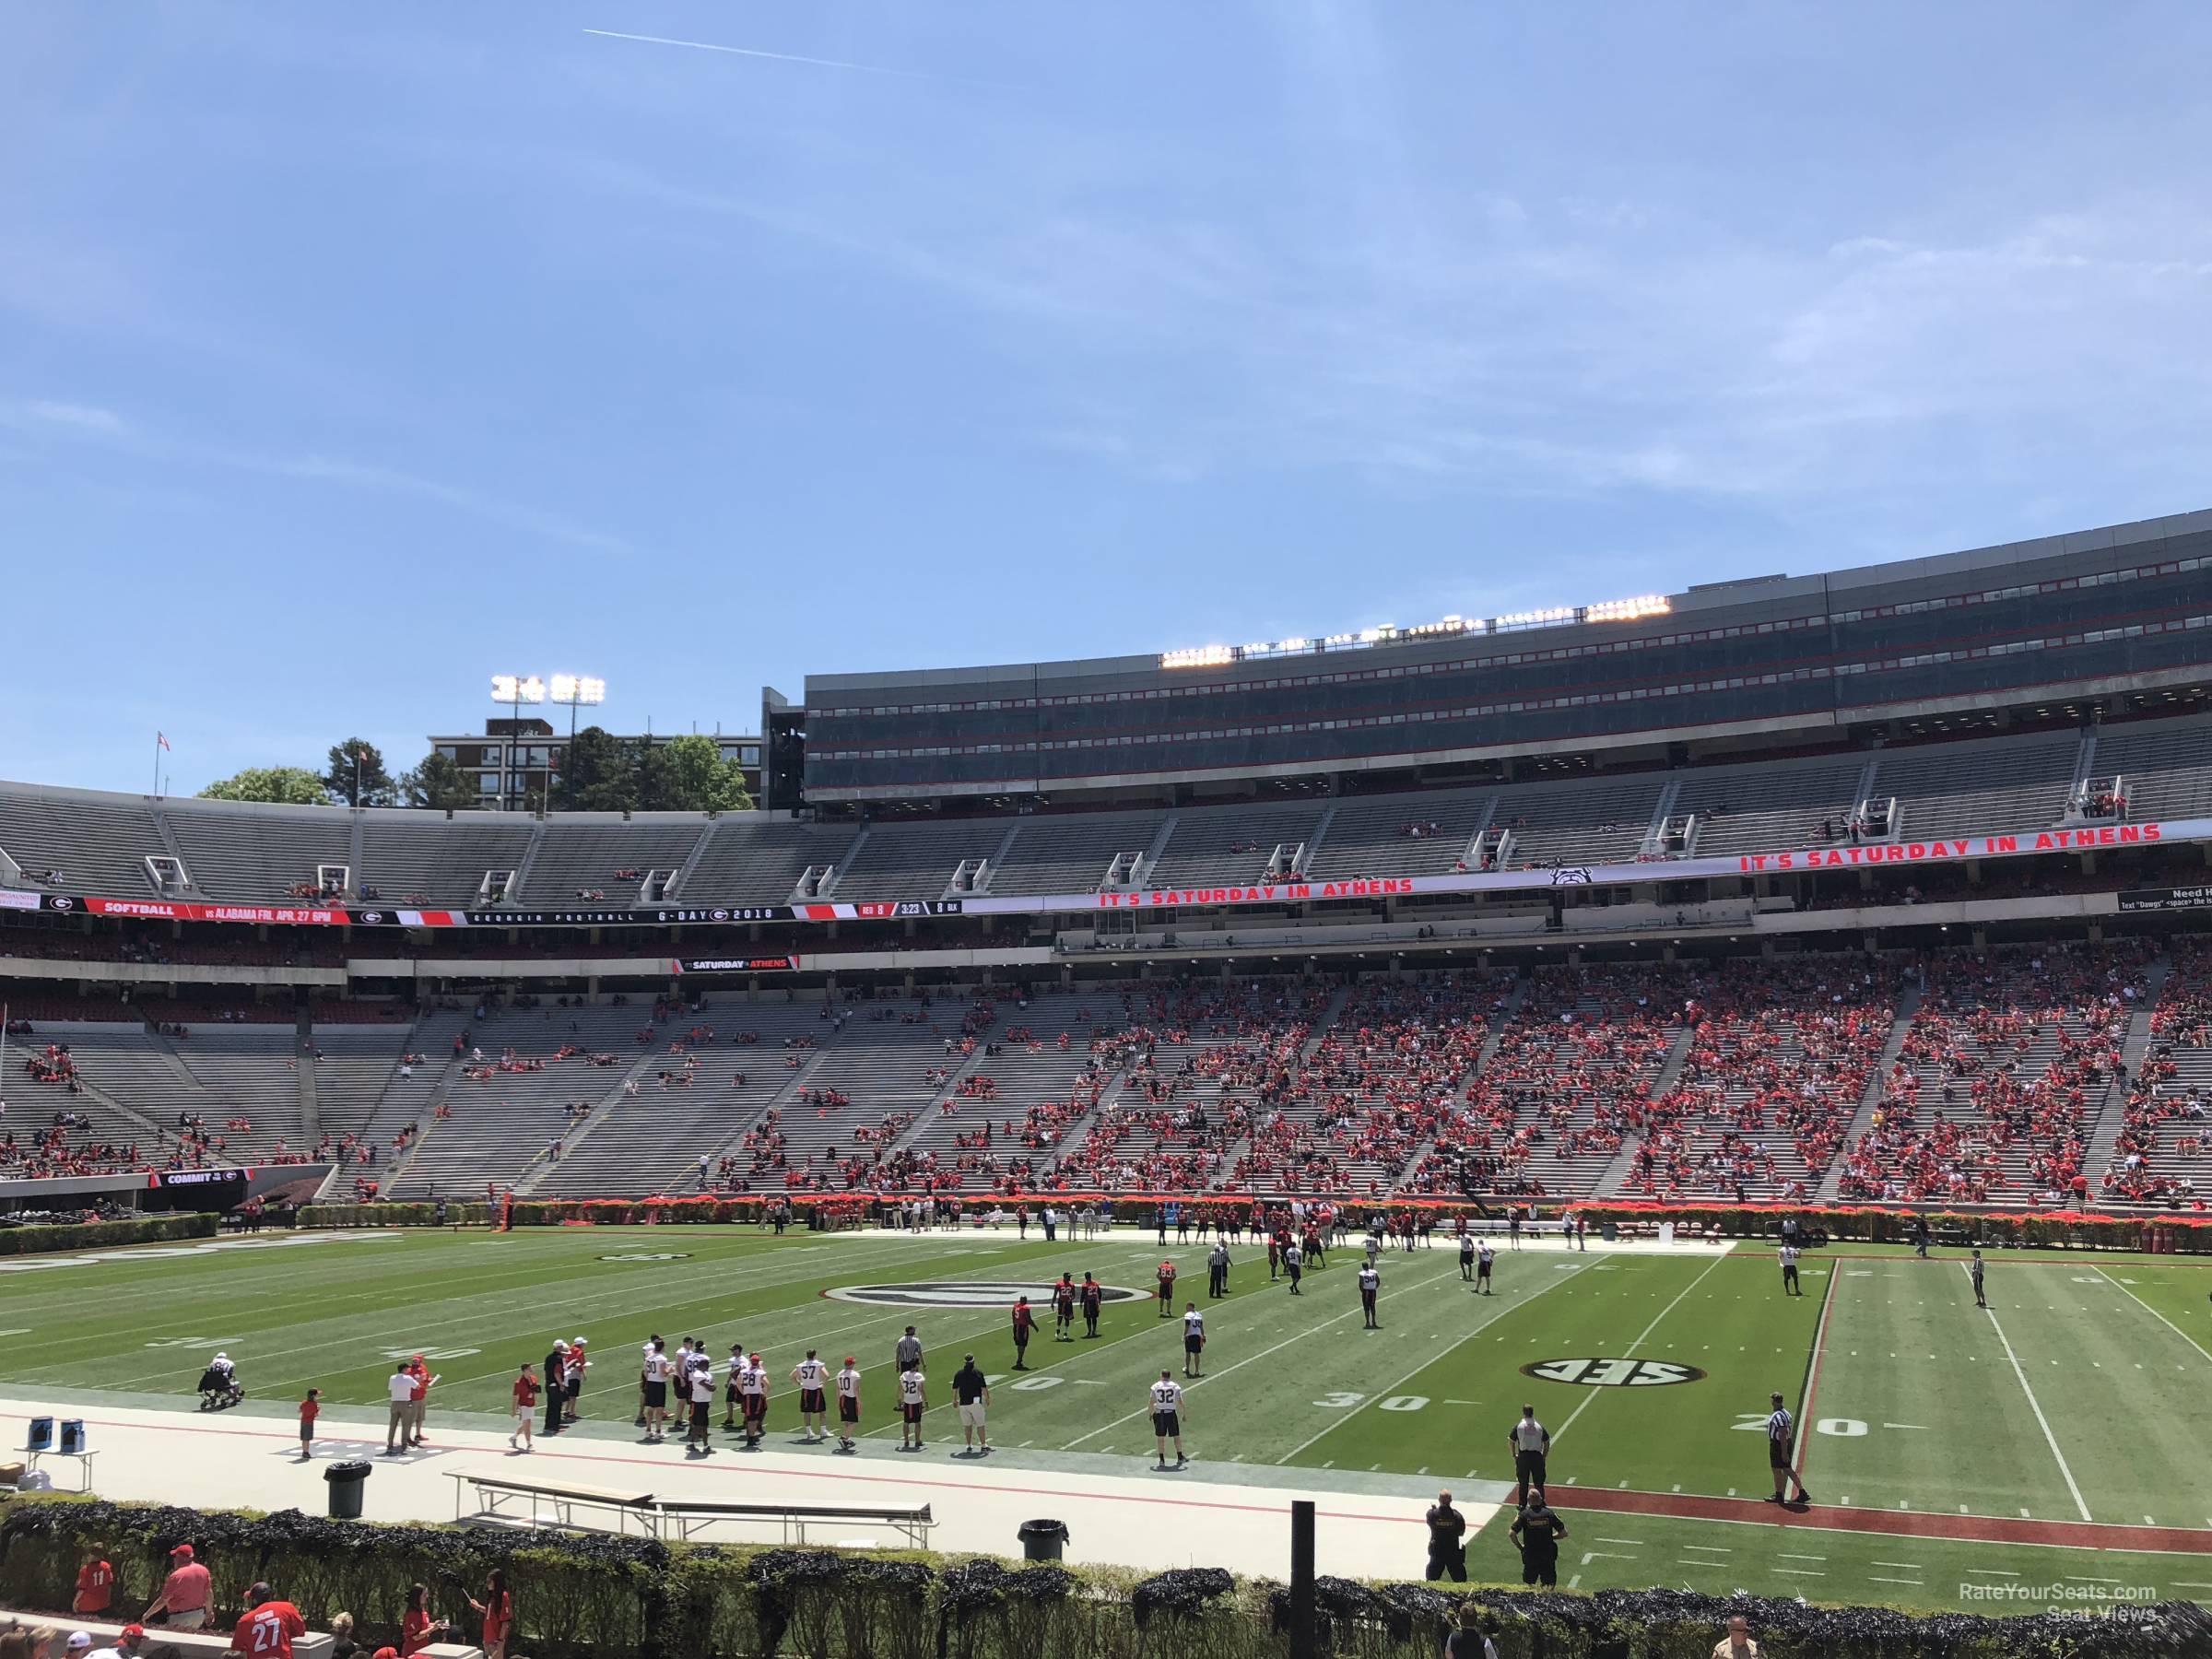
x=266, y=1630
x=526, y=1407
x=310, y=1409
x=95, y=1585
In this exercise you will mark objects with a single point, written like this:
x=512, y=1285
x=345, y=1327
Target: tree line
x=601, y=773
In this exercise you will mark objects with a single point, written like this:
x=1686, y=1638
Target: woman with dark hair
x=498, y=1608
x=418, y=1630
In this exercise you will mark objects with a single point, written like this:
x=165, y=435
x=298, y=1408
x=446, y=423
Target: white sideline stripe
x=1630, y=1352
x=2162, y=1318
x=1515, y=1302
x=2050, y=1439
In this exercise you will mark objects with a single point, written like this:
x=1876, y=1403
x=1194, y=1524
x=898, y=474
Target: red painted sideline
x=1974, y=1529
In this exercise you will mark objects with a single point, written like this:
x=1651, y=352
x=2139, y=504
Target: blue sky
x=350, y=355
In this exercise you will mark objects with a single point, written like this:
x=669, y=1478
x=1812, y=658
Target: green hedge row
x=105, y=1235
x=595, y=1598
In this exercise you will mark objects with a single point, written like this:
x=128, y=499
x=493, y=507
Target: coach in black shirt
x=1447, y=1541
x=971, y=1390
x=556, y=1374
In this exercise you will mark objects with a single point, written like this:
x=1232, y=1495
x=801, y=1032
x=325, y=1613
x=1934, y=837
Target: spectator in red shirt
x=95, y=1583
x=183, y=1604
x=268, y=1627
x=416, y=1629
x=498, y=1608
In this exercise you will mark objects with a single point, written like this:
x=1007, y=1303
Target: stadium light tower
x=515, y=690
x=575, y=692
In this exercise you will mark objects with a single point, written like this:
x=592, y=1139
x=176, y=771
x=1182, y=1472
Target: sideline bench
x=559, y=1499
x=681, y=1519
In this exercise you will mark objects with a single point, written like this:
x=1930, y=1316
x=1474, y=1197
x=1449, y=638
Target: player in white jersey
x=1789, y=1271
x=913, y=1399
x=1164, y=1399
x=1485, y=1259
x=847, y=1404
x=752, y=1400
x=1374, y=1246
x=813, y=1377
x=657, y=1373
x=1371, y=1281
x=699, y=1382
x=1193, y=1338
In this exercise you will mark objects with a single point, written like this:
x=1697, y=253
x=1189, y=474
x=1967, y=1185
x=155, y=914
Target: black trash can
x=1042, y=1540
x=346, y=1479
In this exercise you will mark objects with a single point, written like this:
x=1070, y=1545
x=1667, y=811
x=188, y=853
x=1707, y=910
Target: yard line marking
x=2050, y=1439
x=1574, y=1583
x=2162, y=1318
x=1239, y=1365
x=1630, y=1352
x=1907, y=1566
x=1786, y=1556
x=1638, y=1542
x=1800, y=1572
x=1812, y=1382
x=1385, y=1393
x=1710, y=1548
x=1878, y=1578
x=1988, y=1572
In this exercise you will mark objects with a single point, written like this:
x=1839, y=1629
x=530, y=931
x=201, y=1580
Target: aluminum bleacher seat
x=406, y=854
x=758, y=858
x=579, y=853
x=98, y=844
x=2167, y=765
x=1374, y=837
x=1071, y=854
x=916, y=860
x=256, y=854
x=1594, y=821
x=2004, y=783
x=1768, y=806
x=1232, y=844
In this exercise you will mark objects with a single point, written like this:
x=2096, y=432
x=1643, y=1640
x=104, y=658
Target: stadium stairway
x=598, y=1173
x=785, y=1098
x=1870, y=1098
x=1503, y=1017
x=1300, y=1116
x=650, y=1142
x=311, y=1110
x=1615, y=1173
x=2104, y=1138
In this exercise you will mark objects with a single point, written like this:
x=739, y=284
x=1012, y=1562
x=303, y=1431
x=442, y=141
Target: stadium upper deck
x=2118, y=613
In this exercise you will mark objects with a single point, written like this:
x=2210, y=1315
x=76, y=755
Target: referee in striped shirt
x=1781, y=1435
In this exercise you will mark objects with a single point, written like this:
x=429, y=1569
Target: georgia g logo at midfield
x=1614, y=1373
x=964, y=1293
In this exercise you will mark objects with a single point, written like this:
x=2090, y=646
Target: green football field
x=2054, y=1443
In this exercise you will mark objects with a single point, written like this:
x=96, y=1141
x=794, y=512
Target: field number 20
x=1342, y=1401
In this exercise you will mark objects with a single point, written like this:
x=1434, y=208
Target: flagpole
x=157, y=766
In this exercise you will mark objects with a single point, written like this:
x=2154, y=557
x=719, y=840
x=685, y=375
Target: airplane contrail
x=784, y=57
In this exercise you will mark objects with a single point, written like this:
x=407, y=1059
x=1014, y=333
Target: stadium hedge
x=2064, y=1229
x=592, y=1597
x=104, y=1235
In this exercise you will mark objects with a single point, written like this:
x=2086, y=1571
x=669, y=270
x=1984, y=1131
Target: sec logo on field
x=964, y=1293
x=1614, y=1373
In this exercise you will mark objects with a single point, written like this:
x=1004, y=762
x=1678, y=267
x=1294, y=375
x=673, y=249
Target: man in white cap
x=578, y=1364
x=556, y=1384
x=79, y=1643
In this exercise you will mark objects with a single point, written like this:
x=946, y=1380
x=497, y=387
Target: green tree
x=357, y=757
x=293, y=785
x=689, y=774
x=600, y=775
x=437, y=784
